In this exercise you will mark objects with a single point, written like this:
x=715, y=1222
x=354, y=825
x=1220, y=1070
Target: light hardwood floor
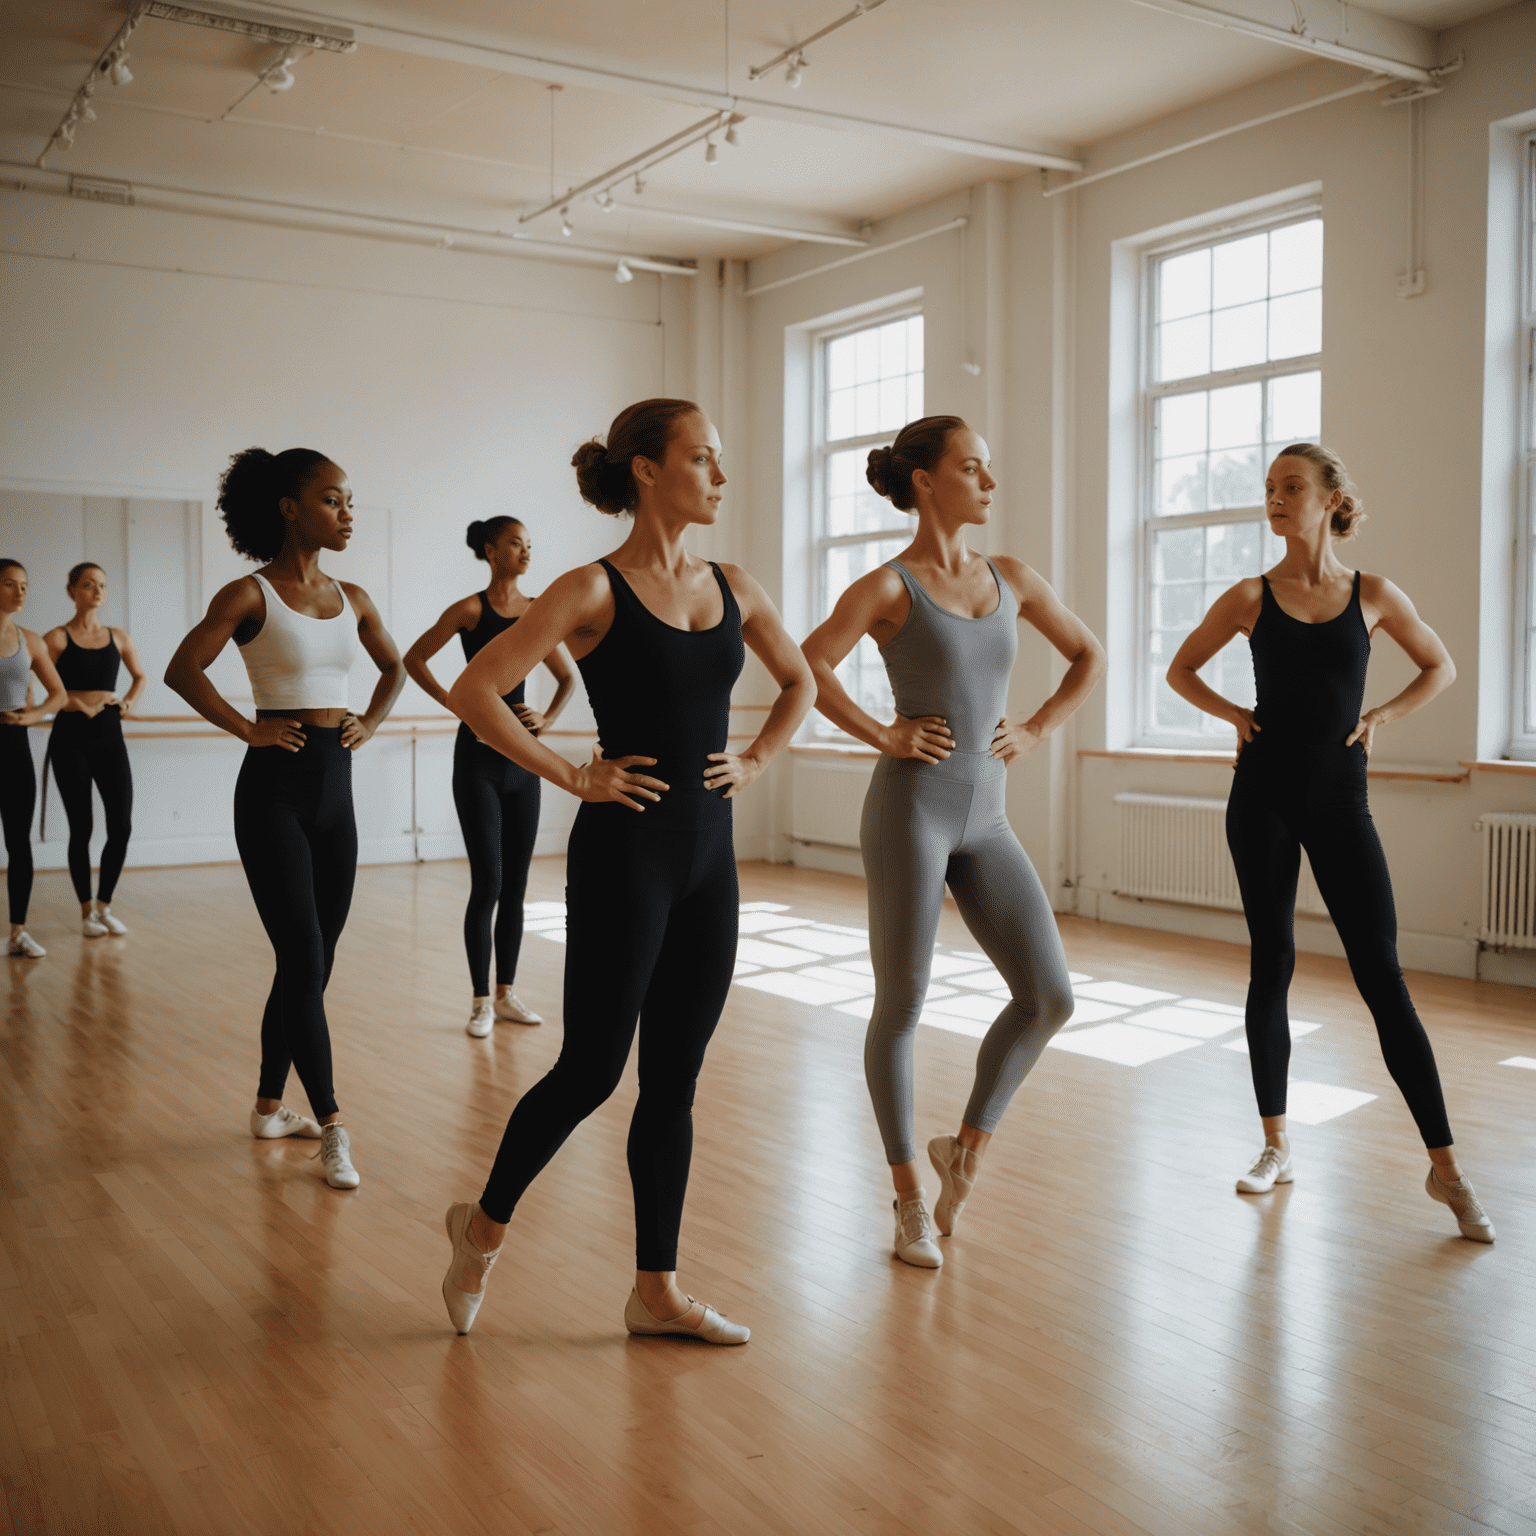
x=200, y=1336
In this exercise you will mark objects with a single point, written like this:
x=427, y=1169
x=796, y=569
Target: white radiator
x=1509, y=880
x=1174, y=848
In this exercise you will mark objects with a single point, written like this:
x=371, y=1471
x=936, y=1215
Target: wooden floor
x=200, y=1336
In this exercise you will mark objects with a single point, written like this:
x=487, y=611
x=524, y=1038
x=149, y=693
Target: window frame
x=822, y=449
x=1522, y=736
x=1150, y=390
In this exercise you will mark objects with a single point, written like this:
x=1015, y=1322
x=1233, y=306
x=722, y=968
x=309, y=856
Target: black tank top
x=662, y=692
x=84, y=671
x=475, y=640
x=1310, y=678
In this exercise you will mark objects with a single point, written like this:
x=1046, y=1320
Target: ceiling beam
x=560, y=72
x=1329, y=29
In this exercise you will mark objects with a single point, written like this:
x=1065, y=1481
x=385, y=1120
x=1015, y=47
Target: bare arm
x=129, y=652
x=764, y=631
x=239, y=603
x=1043, y=610
x=1425, y=649
x=54, y=641
x=579, y=601
x=871, y=600
x=47, y=674
x=464, y=614
x=1232, y=614
x=381, y=648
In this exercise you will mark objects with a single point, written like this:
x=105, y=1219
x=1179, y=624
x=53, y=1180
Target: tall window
x=870, y=386
x=1523, y=742
x=1233, y=373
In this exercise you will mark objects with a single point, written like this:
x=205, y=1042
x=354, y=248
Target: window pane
x=1236, y=478
x=852, y=506
x=893, y=405
x=1237, y=337
x=1181, y=484
x=1178, y=607
x=862, y=672
x=1184, y=348
x=1240, y=271
x=1178, y=555
x=1295, y=408
x=893, y=349
x=1296, y=257
x=866, y=409
x=866, y=351
x=1231, y=553
x=1296, y=324
x=1169, y=711
x=1237, y=416
x=839, y=414
x=1230, y=673
x=840, y=371
x=1180, y=424
x=1184, y=285
x=914, y=396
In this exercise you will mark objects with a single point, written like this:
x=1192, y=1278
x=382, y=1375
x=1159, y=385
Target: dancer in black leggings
x=497, y=800
x=22, y=655
x=87, y=746
x=298, y=632
x=1301, y=784
x=651, y=903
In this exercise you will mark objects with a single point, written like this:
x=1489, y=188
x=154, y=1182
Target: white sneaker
x=282, y=1122
x=1273, y=1167
x=957, y=1168
x=336, y=1155
x=513, y=1008
x=914, y=1233
x=481, y=1021
x=114, y=925
x=1465, y=1207
x=92, y=927
x=25, y=944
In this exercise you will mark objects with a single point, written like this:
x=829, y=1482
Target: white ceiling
x=464, y=141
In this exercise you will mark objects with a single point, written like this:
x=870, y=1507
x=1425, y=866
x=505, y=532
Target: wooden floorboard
x=197, y=1335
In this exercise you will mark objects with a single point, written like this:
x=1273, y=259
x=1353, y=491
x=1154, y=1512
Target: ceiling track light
x=566, y=227
x=278, y=77
x=210, y=13
x=623, y=273
x=639, y=184
x=732, y=137
x=794, y=55
x=711, y=152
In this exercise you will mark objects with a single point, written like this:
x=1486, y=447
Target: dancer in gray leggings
x=946, y=621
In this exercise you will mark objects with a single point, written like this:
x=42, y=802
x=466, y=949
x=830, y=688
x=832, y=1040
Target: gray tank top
x=942, y=664
x=14, y=671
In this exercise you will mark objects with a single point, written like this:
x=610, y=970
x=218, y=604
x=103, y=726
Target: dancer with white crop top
x=298, y=631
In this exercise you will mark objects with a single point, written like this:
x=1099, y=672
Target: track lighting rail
x=792, y=54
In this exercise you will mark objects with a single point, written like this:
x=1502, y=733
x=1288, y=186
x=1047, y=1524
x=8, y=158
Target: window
x=1523, y=737
x=1232, y=346
x=870, y=385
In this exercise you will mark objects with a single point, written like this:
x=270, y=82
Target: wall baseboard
x=1507, y=967
x=836, y=861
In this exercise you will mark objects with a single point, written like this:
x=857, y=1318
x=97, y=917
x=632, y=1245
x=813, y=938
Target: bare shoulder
x=51, y=637
x=745, y=588
x=1241, y=595
x=1027, y=583
x=240, y=598
x=1379, y=593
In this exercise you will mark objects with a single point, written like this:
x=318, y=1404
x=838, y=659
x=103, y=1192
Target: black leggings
x=1271, y=817
x=83, y=749
x=298, y=842
x=18, y=799
x=498, y=806
x=651, y=914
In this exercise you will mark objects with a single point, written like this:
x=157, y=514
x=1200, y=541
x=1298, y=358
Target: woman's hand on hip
x=1011, y=741
x=730, y=772
x=927, y=738
x=287, y=734
x=613, y=779
x=530, y=719
x=1365, y=731
x=355, y=730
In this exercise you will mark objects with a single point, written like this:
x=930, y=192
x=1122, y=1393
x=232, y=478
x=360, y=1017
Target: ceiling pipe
x=873, y=250
x=534, y=66
x=863, y=8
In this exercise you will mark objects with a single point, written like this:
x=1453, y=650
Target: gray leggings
x=925, y=824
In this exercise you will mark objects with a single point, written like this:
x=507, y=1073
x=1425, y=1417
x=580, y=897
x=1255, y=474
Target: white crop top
x=299, y=662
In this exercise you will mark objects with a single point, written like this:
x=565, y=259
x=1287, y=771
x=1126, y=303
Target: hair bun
x=878, y=471
x=475, y=538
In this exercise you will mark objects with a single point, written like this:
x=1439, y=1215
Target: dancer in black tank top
x=86, y=745
x=1301, y=784
x=651, y=899
x=497, y=800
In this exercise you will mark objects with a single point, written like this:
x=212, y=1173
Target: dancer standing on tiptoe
x=87, y=743
x=946, y=621
x=298, y=633
x=651, y=896
x=1301, y=783
x=497, y=799
x=22, y=653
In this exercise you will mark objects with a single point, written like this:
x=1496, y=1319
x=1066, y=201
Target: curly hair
x=250, y=491
x=919, y=445
x=605, y=474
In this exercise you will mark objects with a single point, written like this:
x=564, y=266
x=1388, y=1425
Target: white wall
x=1403, y=402
x=144, y=347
